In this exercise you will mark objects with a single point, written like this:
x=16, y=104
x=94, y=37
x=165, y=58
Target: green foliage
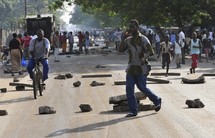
x=13, y=11
x=156, y=12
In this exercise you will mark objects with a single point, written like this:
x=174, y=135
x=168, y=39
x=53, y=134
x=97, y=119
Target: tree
x=157, y=12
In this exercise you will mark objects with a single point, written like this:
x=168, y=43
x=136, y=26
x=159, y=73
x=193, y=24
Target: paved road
x=173, y=120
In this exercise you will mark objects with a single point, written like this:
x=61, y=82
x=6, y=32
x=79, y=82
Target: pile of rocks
x=121, y=103
x=64, y=76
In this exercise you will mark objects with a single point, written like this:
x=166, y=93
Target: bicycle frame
x=37, y=79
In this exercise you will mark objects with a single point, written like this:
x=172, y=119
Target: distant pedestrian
x=207, y=45
x=157, y=42
x=195, y=45
x=182, y=43
x=118, y=37
x=80, y=42
x=26, y=40
x=56, y=44
x=15, y=54
x=177, y=51
x=71, y=42
x=87, y=42
x=139, y=49
x=166, y=50
x=64, y=42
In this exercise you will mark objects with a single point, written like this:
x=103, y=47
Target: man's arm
x=160, y=49
x=122, y=46
x=47, y=45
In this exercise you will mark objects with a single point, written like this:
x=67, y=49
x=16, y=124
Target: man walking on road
x=182, y=43
x=139, y=49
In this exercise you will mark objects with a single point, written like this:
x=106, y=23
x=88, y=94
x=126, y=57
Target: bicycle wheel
x=40, y=81
x=4, y=59
x=35, y=85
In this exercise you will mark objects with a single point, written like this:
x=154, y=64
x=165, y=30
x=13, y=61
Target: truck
x=43, y=21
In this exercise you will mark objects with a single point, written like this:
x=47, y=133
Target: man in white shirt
x=117, y=37
x=181, y=36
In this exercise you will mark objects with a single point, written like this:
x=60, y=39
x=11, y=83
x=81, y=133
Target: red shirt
x=26, y=40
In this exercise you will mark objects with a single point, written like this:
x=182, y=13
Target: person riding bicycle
x=39, y=49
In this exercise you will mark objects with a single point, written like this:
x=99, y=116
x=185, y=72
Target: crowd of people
x=176, y=45
x=139, y=45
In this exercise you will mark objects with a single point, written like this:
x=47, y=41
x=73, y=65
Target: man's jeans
x=31, y=65
x=140, y=81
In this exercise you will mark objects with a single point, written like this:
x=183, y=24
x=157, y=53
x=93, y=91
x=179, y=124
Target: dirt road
x=173, y=120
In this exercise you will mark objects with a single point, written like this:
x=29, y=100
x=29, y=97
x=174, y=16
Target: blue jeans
x=157, y=47
x=140, y=81
x=31, y=65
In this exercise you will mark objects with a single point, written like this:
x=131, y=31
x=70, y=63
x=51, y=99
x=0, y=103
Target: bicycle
x=37, y=79
x=5, y=56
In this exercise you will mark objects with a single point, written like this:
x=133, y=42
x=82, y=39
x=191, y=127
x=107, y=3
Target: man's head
x=133, y=26
x=40, y=34
x=167, y=38
x=14, y=35
x=194, y=35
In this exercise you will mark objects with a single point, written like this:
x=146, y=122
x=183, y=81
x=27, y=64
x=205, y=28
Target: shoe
x=131, y=115
x=158, y=107
x=20, y=73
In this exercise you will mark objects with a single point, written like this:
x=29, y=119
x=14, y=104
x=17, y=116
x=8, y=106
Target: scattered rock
x=46, y=110
x=3, y=90
x=99, y=66
x=68, y=75
x=3, y=112
x=77, y=84
x=15, y=79
x=194, y=78
x=196, y=103
x=56, y=60
x=141, y=107
x=118, y=99
x=60, y=77
x=85, y=107
x=20, y=88
x=95, y=83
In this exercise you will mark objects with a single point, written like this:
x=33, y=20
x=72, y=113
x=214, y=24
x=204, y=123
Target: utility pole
x=25, y=9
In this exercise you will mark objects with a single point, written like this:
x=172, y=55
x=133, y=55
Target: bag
x=194, y=79
x=24, y=62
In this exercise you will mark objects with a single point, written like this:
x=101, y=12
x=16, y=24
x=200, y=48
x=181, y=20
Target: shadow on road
x=23, y=99
x=94, y=126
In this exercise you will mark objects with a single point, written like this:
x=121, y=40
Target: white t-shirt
x=118, y=35
x=177, y=48
x=181, y=36
x=39, y=47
